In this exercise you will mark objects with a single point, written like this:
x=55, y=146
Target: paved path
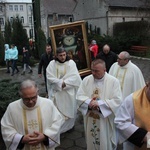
x=74, y=140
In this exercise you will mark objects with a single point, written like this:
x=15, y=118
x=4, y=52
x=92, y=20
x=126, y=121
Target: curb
x=142, y=58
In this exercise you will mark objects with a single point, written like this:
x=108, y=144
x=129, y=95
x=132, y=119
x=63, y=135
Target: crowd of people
x=11, y=58
x=114, y=101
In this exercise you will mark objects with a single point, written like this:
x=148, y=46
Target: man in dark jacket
x=44, y=61
x=108, y=56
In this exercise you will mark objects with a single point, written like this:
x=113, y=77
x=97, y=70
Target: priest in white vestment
x=98, y=97
x=32, y=122
x=129, y=75
x=133, y=121
x=63, y=81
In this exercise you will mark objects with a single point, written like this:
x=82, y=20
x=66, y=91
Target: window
x=123, y=19
x=70, y=19
x=31, y=33
x=55, y=16
x=30, y=8
x=11, y=7
x=16, y=7
x=30, y=20
x=1, y=21
x=22, y=19
x=25, y=30
x=1, y=8
x=11, y=20
x=21, y=7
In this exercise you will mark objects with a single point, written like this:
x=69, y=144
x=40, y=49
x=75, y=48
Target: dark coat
x=44, y=61
x=109, y=58
x=26, y=57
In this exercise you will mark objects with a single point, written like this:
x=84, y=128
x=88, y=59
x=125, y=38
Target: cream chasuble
x=99, y=128
x=64, y=99
x=57, y=73
x=94, y=118
x=121, y=73
x=129, y=76
x=33, y=122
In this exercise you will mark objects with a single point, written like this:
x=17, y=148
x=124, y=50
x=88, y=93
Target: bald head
x=106, y=49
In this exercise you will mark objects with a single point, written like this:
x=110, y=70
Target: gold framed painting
x=73, y=37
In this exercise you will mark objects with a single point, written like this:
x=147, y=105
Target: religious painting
x=73, y=37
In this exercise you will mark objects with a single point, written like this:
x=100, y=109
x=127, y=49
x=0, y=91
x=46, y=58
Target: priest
x=31, y=122
x=132, y=120
x=63, y=80
x=99, y=96
x=128, y=74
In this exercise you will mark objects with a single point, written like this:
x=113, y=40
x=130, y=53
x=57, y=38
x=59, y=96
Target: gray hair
x=126, y=55
x=98, y=61
x=27, y=84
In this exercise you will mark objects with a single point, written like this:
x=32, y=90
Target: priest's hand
x=94, y=105
x=39, y=137
x=33, y=139
x=26, y=138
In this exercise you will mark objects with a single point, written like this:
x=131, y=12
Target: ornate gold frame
x=79, y=50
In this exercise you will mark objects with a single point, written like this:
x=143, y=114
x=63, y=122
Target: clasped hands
x=94, y=104
x=34, y=138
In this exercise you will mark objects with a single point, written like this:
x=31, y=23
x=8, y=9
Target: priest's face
x=62, y=56
x=122, y=61
x=29, y=96
x=98, y=70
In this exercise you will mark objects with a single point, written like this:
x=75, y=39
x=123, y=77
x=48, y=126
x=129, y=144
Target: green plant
x=9, y=93
x=19, y=34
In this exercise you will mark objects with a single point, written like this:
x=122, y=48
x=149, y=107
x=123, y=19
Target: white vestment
x=20, y=120
x=130, y=77
x=64, y=99
x=125, y=123
x=99, y=127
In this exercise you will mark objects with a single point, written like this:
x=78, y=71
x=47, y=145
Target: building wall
x=50, y=18
x=99, y=14
x=2, y=17
x=94, y=12
x=23, y=10
x=125, y=15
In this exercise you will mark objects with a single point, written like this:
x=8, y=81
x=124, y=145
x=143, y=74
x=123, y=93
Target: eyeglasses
x=27, y=99
x=121, y=59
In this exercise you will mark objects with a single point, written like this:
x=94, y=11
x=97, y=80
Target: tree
x=19, y=35
x=41, y=42
x=7, y=33
x=37, y=24
x=1, y=48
